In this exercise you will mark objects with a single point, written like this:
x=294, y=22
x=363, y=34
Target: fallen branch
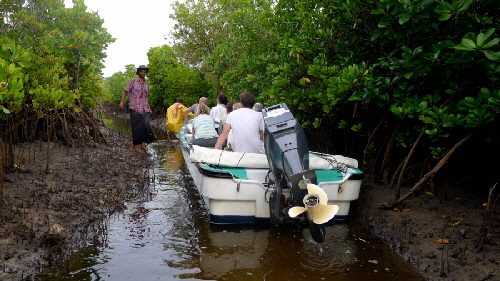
x=434, y=171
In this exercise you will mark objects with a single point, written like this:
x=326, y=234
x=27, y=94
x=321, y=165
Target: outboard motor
x=287, y=152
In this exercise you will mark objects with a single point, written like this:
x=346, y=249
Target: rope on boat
x=240, y=159
x=220, y=156
x=334, y=161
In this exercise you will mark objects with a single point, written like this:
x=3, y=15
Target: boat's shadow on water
x=272, y=253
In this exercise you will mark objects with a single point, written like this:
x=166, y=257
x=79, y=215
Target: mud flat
x=47, y=216
x=439, y=236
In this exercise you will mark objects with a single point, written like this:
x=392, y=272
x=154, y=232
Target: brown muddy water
x=166, y=236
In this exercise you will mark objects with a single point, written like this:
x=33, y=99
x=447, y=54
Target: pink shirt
x=138, y=92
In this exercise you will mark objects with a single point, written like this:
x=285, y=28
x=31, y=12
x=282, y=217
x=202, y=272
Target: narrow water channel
x=166, y=236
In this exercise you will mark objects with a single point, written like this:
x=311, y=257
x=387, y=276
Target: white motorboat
x=248, y=188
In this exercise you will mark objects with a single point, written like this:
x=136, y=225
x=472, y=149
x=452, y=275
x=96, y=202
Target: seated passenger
x=258, y=107
x=204, y=133
x=247, y=126
x=237, y=105
x=220, y=110
x=192, y=109
x=229, y=109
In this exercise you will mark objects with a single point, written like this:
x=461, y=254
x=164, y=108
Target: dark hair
x=222, y=99
x=179, y=100
x=247, y=99
x=139, y=69
x=229, y=107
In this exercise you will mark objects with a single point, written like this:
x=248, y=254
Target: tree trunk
x=431, y=173
x=372, y=134
x=405, y=163
x=388, y=150
x=1, y=178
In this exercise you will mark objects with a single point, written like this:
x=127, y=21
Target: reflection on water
x=112, y=120
x=333, y=256
x=167, y=237
x=227, y=252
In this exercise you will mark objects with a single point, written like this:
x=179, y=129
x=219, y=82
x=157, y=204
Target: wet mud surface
x=439, y=236
x=48, y=216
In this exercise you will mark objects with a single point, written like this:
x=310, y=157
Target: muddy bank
x=50, y=215
x=439, y=236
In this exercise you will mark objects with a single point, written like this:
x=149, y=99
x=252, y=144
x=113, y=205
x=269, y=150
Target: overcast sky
x=137, y=26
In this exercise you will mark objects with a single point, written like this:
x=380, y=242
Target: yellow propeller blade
x=295, y=211
x=323, y=213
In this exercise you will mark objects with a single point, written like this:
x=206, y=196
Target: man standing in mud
x=138, y=91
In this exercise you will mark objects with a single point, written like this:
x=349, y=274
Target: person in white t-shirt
x=247, y=126
x=219, y=110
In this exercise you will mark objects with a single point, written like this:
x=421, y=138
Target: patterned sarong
x=141, y=128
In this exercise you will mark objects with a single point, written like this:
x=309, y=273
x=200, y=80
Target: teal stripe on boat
x=239, y=173
x=331, y=175
x=328, y=175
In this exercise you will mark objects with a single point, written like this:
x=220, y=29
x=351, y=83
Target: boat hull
x=240, y=195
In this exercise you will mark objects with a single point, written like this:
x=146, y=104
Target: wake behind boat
x=288, y=183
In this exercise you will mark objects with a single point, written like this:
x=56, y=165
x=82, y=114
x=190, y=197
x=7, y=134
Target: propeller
x=316, y=206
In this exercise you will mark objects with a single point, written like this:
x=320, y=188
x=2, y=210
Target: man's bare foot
x=135, y=148
x=143, y=146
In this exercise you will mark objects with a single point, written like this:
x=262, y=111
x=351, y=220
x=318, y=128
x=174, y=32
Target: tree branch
x=431, y=173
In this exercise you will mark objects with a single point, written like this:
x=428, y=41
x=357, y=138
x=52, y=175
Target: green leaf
x=465, y=6
x=24, y=64
x=4, y=54
x=489, y=33
x=491, y=43
x=377, y=34
x=480, y=39
x=490, y=54
x=463, y=48
x=408, y=75
x=468, y=43
x=444, y=17
x=447, y=6
x=404, y=18
x=442, y=10
x=384, y=21
x=485, y=91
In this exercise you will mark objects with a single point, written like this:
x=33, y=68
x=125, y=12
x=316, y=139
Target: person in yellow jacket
x=175, y=119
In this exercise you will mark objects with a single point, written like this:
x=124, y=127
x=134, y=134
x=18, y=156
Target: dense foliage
x=169, y=79
x=400, y=85
x=50, y=61
x=115, y=84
